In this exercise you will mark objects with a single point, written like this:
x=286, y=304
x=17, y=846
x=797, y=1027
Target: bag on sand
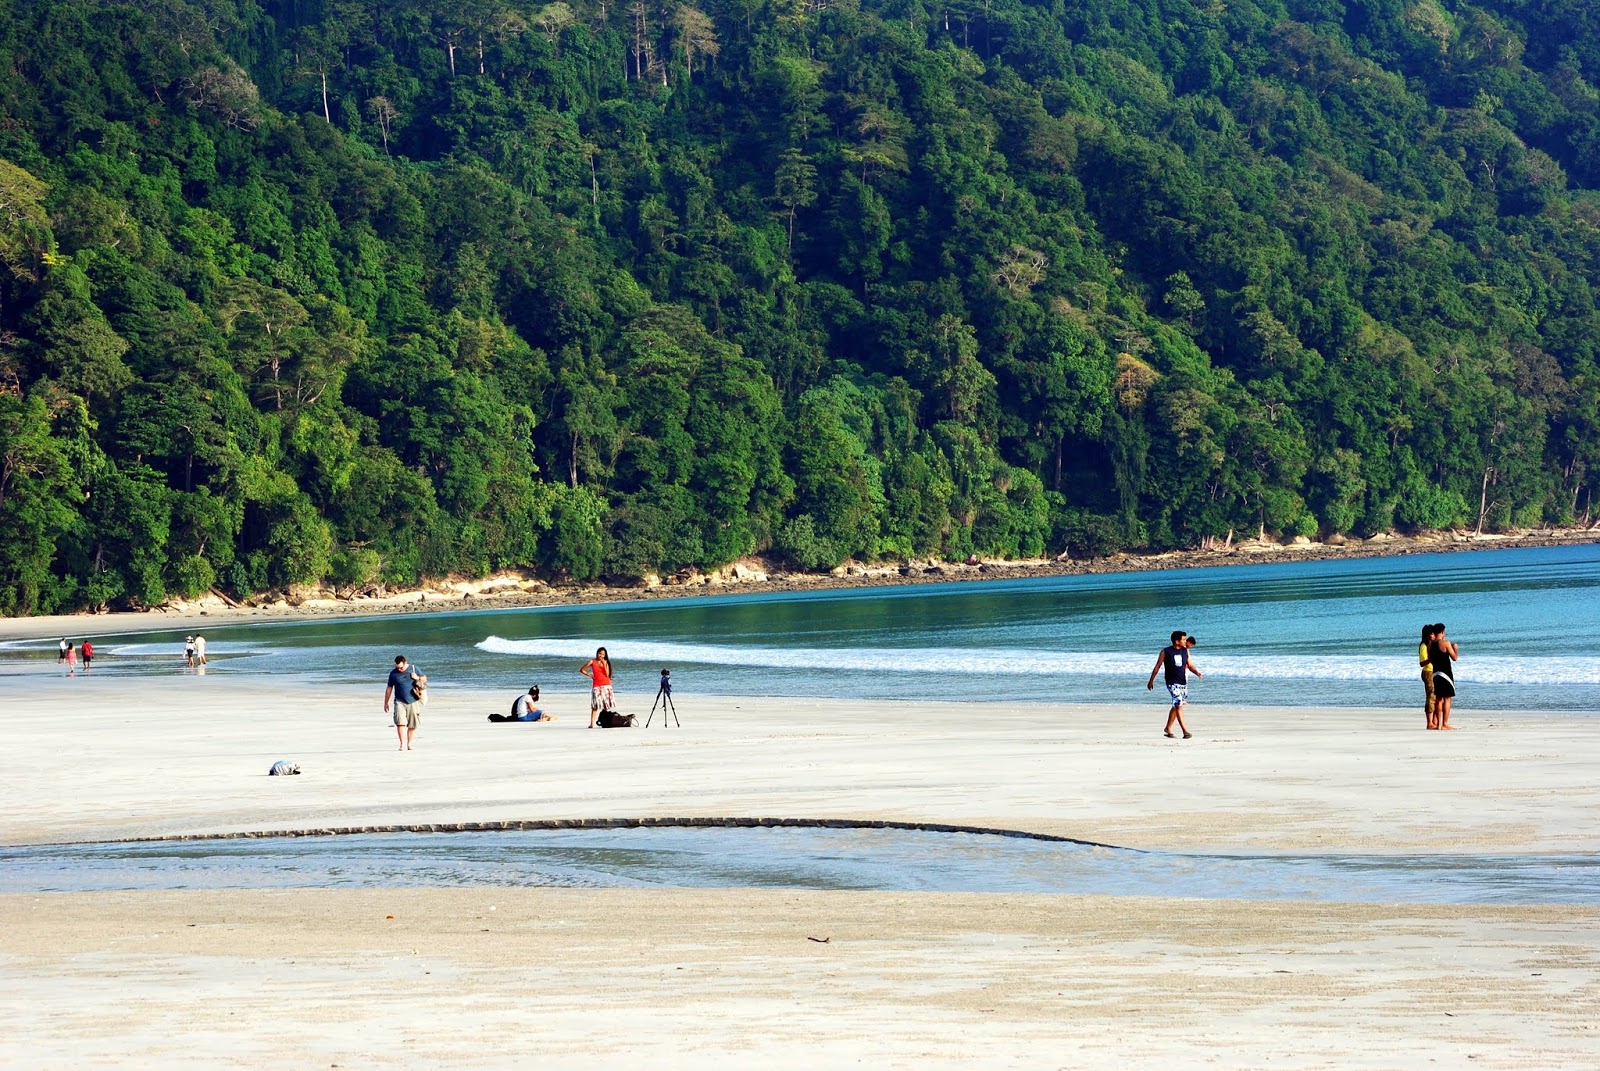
x=283, y=768
x=610, y=719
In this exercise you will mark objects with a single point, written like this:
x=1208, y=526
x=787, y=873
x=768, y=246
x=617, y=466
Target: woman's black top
x=1440, y=659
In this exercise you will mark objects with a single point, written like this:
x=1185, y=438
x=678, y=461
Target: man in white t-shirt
x=199, y=650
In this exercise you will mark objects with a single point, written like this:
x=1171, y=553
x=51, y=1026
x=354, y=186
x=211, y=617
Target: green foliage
x=354, y=566
x=37, y=487
x=344, y=291
x=577, y=534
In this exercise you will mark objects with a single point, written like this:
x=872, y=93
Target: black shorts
x=1443, y=687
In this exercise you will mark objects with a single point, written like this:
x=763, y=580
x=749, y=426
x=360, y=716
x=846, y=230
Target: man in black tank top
x=1177, y=664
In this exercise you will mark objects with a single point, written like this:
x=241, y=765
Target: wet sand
x=676, y=978
x=697, y=978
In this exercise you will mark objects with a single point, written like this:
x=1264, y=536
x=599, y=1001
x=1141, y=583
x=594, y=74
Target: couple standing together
x=1437, y=656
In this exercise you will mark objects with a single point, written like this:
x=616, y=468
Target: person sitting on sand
x=1442, y=654
x=527, y=708
x=598, y=670
x=1175, y=660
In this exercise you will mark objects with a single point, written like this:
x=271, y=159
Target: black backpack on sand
x=508, y=717
x=610, y=719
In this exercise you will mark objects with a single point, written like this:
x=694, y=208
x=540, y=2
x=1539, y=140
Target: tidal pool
x=791, y=858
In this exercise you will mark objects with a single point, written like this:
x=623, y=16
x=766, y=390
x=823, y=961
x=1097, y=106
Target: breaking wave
x=1014, y=662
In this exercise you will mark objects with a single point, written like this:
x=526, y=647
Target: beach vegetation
x=354, y=292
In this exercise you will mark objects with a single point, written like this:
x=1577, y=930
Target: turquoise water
x=1340, y=633
x=888, y=859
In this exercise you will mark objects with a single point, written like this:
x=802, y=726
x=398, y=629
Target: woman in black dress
x=1442, y=656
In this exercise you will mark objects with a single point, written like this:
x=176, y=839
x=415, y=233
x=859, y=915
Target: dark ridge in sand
x=662, y=822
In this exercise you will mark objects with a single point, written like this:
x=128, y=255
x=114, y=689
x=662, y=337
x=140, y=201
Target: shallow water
x=1335, y=633
x=801, y=858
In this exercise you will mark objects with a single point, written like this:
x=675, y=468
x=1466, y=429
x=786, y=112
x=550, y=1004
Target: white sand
x=728, y=978
x=117, y=757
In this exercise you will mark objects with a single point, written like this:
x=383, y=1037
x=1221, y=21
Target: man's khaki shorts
x=407, y=714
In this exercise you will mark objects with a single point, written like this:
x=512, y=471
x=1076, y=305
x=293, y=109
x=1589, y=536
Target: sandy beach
x=695, y=978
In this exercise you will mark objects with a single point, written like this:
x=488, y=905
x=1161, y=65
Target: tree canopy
x=298, y=291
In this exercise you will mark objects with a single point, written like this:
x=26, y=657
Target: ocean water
x=888, y=859
x=1325, y=634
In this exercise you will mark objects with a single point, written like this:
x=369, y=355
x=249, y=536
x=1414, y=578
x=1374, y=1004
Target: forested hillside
x=351, y=289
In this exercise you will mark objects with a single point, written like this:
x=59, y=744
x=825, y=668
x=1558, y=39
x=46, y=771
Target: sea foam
x=1014, y=662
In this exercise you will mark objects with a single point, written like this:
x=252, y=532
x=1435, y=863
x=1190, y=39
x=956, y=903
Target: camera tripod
x=664, y=700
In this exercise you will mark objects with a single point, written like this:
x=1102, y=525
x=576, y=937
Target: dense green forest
x=343, y=290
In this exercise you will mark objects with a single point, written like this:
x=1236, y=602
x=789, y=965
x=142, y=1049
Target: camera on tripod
x=664, y=701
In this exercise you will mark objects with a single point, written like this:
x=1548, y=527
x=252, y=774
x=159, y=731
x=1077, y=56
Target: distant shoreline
x=513, y=591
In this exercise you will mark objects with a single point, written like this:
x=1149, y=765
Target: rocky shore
x=517, y=589
x=513, y=590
